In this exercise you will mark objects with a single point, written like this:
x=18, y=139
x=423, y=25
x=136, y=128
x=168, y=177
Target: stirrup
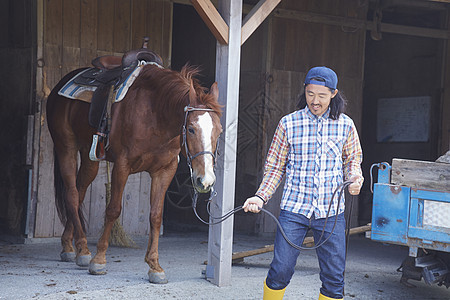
x=93, y=152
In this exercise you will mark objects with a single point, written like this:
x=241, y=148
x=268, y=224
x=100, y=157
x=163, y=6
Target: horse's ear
x=192, y=94
x=214, y=91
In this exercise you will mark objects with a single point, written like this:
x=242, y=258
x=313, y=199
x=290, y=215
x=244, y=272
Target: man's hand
x=253, y=204
x=355, y=187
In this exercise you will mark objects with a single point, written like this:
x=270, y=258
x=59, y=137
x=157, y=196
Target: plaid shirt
x=315, y=154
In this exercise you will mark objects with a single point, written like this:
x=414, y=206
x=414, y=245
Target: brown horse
x=161, y=109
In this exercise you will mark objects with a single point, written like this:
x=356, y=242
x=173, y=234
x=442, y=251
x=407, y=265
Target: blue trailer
x=414, y=217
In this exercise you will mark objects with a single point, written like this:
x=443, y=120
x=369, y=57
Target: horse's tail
x=60, y=196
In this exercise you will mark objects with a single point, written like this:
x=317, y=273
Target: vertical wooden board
x=52, y=69
x=86, y=56
x=278, y=40
x=154, y=24
x=122, y=26
x=352, y=89
x=166, y=48
x=284, y=94
x=52, y=77
x=71, y=23
x=252, y=99
x=307, y=55
x=105, y=33
x=53, y=22
x=144, y=204
x=45, y=209
x=70, y=59
x=52, y=52
x=138, y=23
x=290, y=49
x=86, y=208
x=52, y=55
x=88, y=26
x=130, y=209
x=58, y=227
x=98, y=202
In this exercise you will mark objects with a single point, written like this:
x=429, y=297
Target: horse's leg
x=67, y=158
x=119, y=177
x=160, y=182
x=67, y=252
x=86, y=174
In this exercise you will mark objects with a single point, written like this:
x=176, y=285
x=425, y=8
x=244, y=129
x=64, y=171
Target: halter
x=190, y=157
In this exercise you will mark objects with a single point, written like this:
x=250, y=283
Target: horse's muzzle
x=202, y=185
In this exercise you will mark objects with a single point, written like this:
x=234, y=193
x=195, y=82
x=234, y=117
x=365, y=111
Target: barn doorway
x=402, y=93
x=17, y=107
x=193, y=44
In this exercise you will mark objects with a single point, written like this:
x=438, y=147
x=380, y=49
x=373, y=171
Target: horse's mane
x=170, y=90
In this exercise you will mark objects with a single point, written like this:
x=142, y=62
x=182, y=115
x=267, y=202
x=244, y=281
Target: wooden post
x=220, y=241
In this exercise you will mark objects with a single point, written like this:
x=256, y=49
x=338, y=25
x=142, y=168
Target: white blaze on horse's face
x=205, y=123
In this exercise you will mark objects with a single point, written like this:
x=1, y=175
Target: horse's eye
x=191, y=130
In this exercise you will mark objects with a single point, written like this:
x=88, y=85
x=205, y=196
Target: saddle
x=108, y=73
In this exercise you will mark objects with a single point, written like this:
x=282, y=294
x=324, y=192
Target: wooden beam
x=228, y=57
x=212, y=19
x=361, y=24
x=308, y=242
x=256, y=16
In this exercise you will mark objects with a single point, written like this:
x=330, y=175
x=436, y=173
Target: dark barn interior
x=17, y=109
x=403, y=58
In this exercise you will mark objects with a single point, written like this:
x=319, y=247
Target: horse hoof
x=83, y=260
x=157, y=277
x=68, y=256
x=97, y=269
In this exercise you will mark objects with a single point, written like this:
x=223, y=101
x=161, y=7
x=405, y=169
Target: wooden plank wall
x=286, y=49
x=75, y=32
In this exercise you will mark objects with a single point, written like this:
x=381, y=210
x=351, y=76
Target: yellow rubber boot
x=323, y=297
x=270, y=294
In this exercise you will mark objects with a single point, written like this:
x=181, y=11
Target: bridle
x=190, y=158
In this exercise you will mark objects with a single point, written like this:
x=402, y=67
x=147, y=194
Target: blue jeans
x=331, y=255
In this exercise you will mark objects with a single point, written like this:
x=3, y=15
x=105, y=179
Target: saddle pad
x=73, y=90
x=76, y=91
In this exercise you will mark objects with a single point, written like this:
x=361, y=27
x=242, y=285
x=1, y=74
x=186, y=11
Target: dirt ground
x=34, y=271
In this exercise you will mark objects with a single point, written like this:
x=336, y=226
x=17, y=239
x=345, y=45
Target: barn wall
x=445, y=129
x=272, y=81
x=17, y=47
x=70, y=34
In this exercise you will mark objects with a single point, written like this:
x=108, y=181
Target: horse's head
x=200, y=137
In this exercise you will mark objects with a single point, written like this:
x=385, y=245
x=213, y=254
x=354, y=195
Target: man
x=317, y=148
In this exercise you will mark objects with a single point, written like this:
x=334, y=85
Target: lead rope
x=339, y=191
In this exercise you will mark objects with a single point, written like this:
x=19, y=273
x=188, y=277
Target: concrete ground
x=33, y=271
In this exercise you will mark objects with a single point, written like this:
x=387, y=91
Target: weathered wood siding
x=421, y=174
x=70, y=34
